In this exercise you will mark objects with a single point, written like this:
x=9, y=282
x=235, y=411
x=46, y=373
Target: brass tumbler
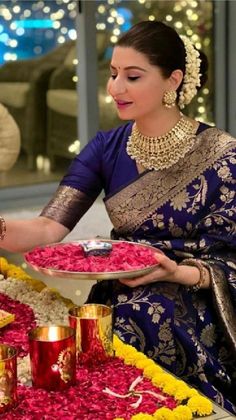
x=8, y=377
x=52, y=357
x=93, y=325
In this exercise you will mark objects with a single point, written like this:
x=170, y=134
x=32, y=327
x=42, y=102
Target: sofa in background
x=9, y=140
x=23, y=88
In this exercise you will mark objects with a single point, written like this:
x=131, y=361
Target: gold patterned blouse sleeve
x=67, y=206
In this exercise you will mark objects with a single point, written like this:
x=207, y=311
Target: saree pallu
x=188, y=211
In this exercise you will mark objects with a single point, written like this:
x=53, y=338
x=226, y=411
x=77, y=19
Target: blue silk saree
x=187, y=211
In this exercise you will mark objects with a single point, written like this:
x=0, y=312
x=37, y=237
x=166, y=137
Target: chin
x=125, y=117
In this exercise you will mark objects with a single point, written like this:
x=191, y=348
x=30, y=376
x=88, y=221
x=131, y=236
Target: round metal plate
x=94, y=275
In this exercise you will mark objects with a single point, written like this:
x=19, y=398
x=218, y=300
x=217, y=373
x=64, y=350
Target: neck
x=161, y=124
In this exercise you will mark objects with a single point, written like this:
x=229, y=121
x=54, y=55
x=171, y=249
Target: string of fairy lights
x=31, y=28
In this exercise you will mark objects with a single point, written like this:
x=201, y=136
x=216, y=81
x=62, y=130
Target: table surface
x=219, y=413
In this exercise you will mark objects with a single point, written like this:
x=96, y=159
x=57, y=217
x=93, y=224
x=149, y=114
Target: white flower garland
x=192, y=75
x=47, y=308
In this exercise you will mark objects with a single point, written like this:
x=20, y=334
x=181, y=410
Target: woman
x=169, y=182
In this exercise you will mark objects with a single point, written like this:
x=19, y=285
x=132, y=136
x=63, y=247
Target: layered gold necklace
x=164, y=151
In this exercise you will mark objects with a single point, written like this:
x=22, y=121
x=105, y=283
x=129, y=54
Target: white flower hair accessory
x=192, y=75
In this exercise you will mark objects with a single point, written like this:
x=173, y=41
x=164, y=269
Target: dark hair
x=162, y=45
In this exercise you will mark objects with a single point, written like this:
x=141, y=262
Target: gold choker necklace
x=164, y=151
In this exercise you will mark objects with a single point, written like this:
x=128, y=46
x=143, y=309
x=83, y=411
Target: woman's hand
x=169, y=270
x=166, y=271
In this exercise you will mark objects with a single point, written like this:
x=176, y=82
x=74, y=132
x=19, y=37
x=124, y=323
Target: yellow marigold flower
x=142, y=416
x=141, y=357
x=125, y=351
x=14, y=271
x=151, y=370
x=200, y=406
x=116, y=341
x=141, y=364
x=128, y=348
x=119, y=418
x=24, y=277
x=122, y=349
x=192, y=392
x=182, y=413
x=129, y=351
x=170, y=387
x=182, y=392
x=128, y=355
x=163, y=414
x=129, y=360
x=161, y=379
x=3, y=265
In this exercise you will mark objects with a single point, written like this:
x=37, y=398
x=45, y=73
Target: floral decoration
x=16, y=333
x=192, y=75
x=127, y=387
x=194, y=403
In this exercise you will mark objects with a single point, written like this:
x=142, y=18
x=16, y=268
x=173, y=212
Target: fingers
x=148, y=278
x=164, y=271
x=132, y=282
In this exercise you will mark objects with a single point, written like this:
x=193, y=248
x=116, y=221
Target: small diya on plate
x=96, y=248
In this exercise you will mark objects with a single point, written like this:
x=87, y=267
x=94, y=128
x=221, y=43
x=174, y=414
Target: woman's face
x=136, y=86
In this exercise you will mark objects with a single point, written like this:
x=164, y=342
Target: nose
x=116, y=86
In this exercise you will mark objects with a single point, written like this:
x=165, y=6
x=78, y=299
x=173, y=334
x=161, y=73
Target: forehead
x=123, y=57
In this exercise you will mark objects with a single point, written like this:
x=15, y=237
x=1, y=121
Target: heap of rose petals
x=70, y=257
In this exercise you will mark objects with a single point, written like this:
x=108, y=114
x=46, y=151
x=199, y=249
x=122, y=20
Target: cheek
x=109, y=84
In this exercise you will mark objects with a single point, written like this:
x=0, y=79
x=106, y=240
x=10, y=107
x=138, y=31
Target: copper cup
x=53, y=357
x=93, y=325
x=8, y=377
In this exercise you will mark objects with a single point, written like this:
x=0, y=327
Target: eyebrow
x=129, y=68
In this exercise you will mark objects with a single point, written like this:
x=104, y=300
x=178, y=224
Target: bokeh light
x=31, y=28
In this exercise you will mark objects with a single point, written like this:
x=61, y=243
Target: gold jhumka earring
x=169, y=98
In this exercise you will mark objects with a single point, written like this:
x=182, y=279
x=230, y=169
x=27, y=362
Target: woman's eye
x=133, y=78
x=113, y=76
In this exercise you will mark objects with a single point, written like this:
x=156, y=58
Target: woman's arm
x=23, y=235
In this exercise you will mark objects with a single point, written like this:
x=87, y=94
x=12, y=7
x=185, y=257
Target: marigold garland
x=13, y=271
x=195, y=405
